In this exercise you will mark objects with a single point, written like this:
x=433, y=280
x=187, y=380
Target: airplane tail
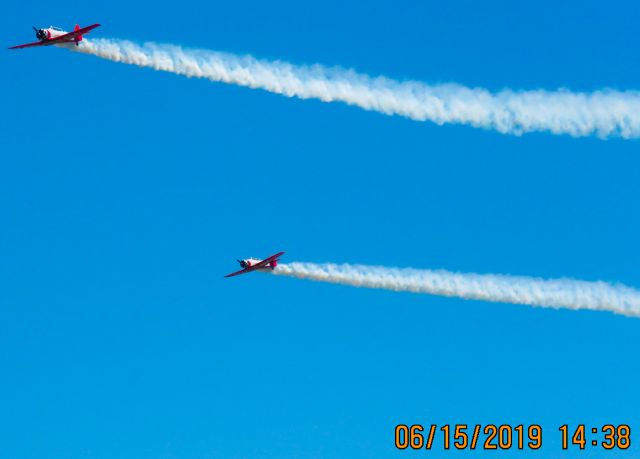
x=79, y=36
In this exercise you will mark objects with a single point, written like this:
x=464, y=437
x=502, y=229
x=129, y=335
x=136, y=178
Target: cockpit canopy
x=58, y=29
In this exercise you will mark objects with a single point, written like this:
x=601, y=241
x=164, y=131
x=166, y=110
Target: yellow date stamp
x=506, y=436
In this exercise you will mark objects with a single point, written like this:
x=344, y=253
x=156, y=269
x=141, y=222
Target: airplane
x=252, y=264
x=57, y=36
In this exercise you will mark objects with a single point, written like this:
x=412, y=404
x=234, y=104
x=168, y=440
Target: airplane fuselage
x=54, y=32
x=249, y=262
x=50, y=33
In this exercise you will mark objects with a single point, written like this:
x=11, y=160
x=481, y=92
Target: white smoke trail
x=555, y=293
x=603, y=113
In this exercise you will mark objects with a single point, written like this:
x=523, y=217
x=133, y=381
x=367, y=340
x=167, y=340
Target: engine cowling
x=41, y=34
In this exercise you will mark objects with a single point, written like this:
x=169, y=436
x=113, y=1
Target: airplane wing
x=242, y=271
x=28, y=45
x=270, y=259
x=70, y=36
x=73, y=34
x=262, y=264
x=87, y=29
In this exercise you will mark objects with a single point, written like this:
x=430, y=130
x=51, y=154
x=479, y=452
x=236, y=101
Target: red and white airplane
x=253, y=264
x=57, y=36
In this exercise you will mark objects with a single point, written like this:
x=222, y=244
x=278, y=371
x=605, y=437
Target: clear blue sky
x=126, y=194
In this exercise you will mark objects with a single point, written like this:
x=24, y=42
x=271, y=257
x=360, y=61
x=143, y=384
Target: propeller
x=39, y=33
